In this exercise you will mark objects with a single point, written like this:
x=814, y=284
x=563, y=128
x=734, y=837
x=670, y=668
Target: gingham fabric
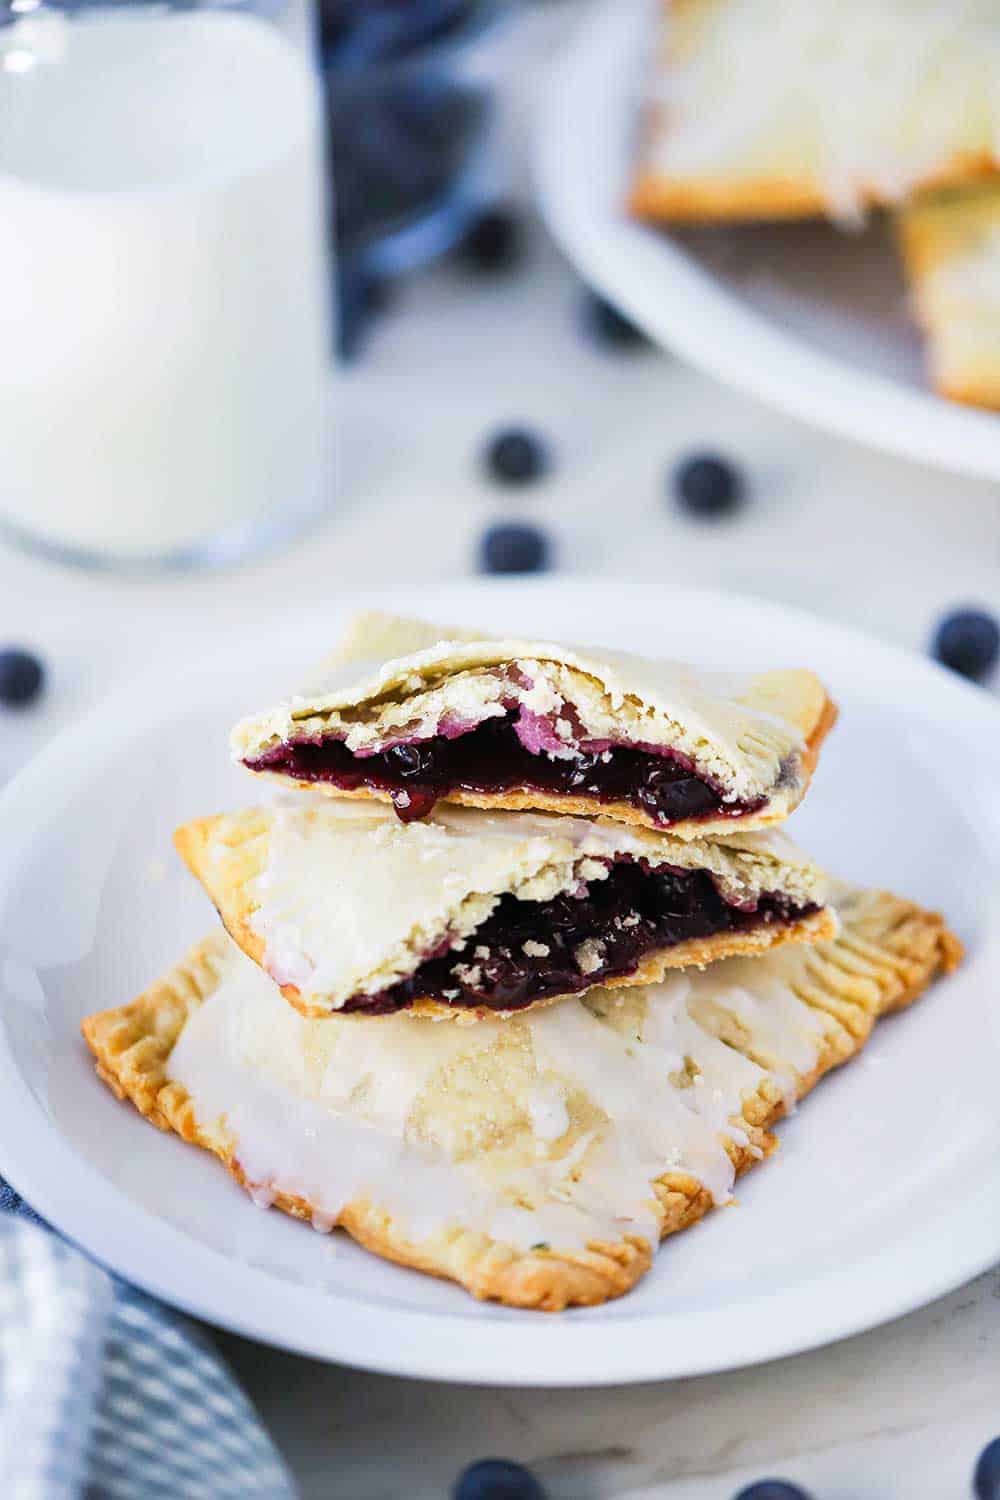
x=106, y=1395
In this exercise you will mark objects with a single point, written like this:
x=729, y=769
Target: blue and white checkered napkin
x=105, y=1394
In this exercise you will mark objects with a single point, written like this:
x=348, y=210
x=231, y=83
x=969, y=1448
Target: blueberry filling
x=530, y=950
x=492, y=758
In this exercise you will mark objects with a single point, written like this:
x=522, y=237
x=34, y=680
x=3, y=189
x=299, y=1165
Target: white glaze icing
x=440, y=878
x=548, y=1128
x=855, y=95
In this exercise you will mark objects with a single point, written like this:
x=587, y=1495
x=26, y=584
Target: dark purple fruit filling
x=529, y=950
x=492, y=758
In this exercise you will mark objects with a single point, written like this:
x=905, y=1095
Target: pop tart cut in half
x=414, y=713
x=536, y=1161
x=470, y=914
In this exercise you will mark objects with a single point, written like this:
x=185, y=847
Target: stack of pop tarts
x=516, y=972
x=791, y=109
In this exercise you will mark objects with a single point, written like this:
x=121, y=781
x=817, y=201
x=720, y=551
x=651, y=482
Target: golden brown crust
x=810, y=755
x=887, y=953
x=227, y=880
x=901, y=943
x=657, y=198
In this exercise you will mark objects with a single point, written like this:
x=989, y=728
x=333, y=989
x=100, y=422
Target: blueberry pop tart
x=415, y=714
x=537, y=1161
x=469, y=914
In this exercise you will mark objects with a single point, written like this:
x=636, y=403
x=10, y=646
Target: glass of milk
x=165, y=338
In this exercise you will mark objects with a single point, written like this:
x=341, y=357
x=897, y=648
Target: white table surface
x=858, y=537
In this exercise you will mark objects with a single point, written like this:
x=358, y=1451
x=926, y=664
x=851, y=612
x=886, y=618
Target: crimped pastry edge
x=888, y=952
x=656, y=198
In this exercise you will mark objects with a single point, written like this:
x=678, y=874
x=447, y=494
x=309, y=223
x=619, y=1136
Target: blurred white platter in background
x=805, y=316
x=886, y=1190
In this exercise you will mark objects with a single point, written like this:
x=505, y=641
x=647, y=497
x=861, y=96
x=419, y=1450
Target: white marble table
x=862, y=538
x=897, y=1414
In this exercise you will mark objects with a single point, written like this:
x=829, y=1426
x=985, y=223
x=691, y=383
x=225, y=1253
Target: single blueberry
x=609, y=326
x=21, y=677
x=968, y=641
x=707, y=485
x=497, y=1479
x=986, y=1481
x=494, y=241
x=516, y=456
x=514, y=549
x=772, y=1489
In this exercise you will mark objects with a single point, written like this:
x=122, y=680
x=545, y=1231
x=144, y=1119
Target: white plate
x=805, y=316
x=887, y=1189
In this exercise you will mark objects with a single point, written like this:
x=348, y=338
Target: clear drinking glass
x=165, y=289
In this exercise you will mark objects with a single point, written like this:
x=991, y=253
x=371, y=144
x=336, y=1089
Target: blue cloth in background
x=106, y=1394
x=13, y=1203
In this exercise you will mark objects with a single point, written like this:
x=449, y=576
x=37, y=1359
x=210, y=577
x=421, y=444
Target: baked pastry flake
x=469, y=913
x=535, y=1161
x=417, y=713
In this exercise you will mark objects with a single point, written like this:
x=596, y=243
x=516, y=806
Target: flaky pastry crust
x=887, y=951
x=229, y=853
x=754, y=736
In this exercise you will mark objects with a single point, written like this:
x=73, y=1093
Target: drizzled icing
x=863, y=98
x=550, y=1128
x=440, y=879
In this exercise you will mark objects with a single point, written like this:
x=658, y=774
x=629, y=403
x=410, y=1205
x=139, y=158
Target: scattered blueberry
x=707, y=485
x=516, y=456
x=772, y=1489
x=968, y=641
x=986, y=1482
x=497, y=1479
x=608, y=325
x=514, y=549
x=21, y=678
x=494, y=241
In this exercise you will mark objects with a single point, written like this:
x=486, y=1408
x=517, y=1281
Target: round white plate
x=886, y=1191
x=804, y=316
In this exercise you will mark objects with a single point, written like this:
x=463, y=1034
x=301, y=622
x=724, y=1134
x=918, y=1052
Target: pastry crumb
x=589, y=955
x=469, y=974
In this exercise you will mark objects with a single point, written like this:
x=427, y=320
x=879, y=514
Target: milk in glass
x=164, y=321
